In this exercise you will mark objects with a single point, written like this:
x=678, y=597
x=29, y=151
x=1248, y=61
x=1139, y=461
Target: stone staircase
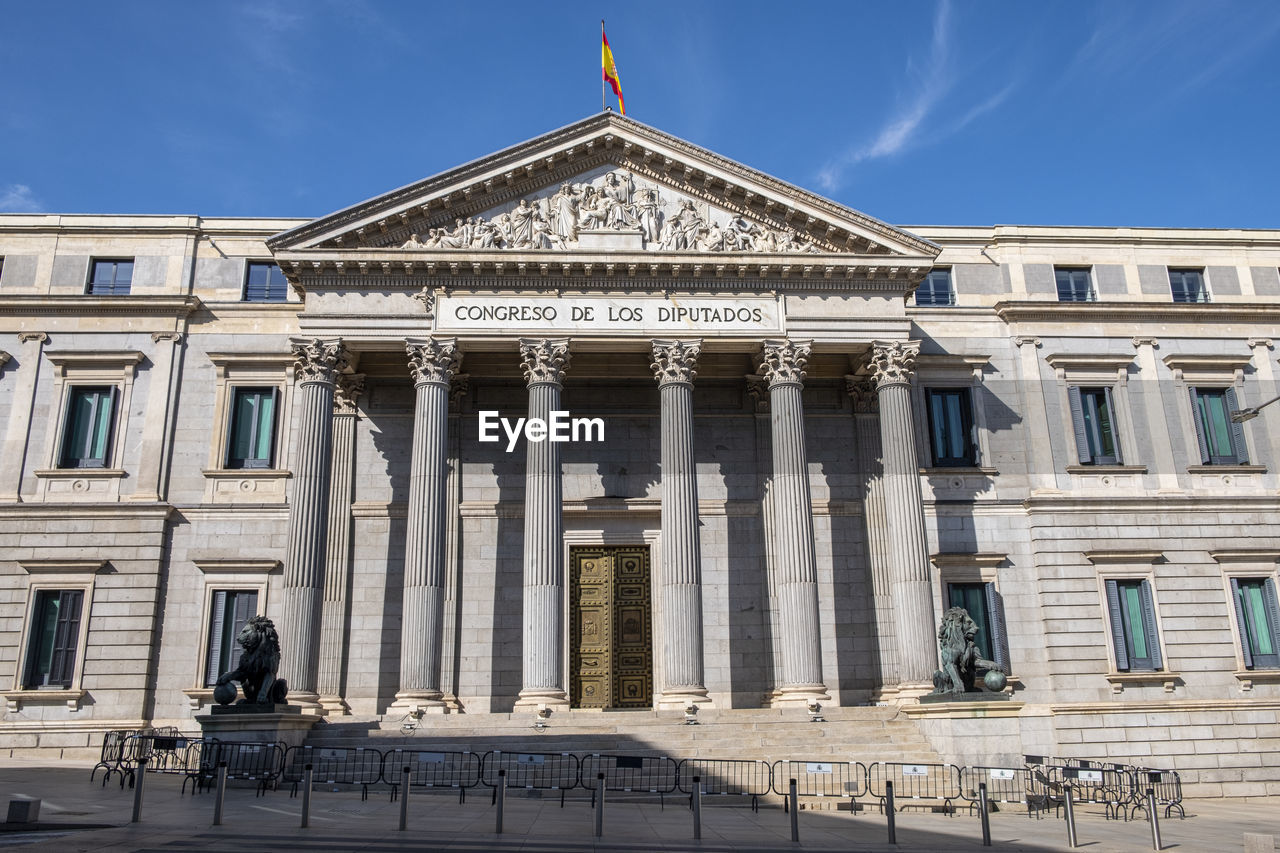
x=864, y=734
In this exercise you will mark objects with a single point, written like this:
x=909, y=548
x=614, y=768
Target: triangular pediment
x=604, y=184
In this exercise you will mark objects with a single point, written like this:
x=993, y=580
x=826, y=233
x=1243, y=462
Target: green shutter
x=1237, y=429
x=1149, y=626
x=999, y=637
x=1246, y=645
x=1077, y=423
x=1201, y=419
x=214, y=662
x=1117, y=626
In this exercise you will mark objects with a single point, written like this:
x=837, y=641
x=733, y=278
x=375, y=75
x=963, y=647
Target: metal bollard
x=404, y=798
x=1071, y=816
x=986, y=818
x=697, y=807
x=220, y=793
x=137, y=790
x=600, y=805
x=889, y=812
x=795, y=811
x=1155, y=819
x=306, y=796
x=501, y=794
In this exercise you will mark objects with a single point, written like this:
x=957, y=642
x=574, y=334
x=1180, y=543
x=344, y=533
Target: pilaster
x=13, y=459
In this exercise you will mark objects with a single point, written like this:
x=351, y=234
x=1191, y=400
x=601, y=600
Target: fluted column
x=674, y=366
x=337, y=572
x=432, y=363
x=544, y=363
x=782, y=364
x=317, y=367
x=892, y=364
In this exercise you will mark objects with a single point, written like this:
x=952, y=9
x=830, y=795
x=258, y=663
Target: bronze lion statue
x=960, y=661
x=256, y=671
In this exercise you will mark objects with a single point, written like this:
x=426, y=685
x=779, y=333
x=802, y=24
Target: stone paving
x=341, y=821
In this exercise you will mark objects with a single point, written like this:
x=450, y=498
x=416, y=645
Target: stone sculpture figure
x=960, y=660
x=256, y=672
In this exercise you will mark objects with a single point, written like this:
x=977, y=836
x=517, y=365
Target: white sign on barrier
x=1003, y=774
x=817, y=768
x=1089, y=775
x=331, y=754
x=915, y=770
x=530, y=759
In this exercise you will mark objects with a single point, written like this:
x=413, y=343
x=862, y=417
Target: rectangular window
x=86, y=438
x=1075, y=284
x=1133, y=626
x=1093, y=416
x=265, y=283
x=1220, y=439
x=231, y=610
x=55, y=634
x=1188, y=286
x=111, y=277
x=1258, y=618
x=951, y=427
x=253, y=428
x=936, y=289
x=986, y=608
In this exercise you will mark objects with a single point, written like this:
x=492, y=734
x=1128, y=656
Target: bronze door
x=610, y=626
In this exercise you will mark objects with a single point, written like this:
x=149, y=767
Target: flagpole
x=604, y=98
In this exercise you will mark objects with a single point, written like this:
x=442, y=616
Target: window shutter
x=1077, y=422
x=215, y=638
x=1237, y=430
x=245, y=606
x=1241, y=624
x=1117, y=627
x=1201, y=438
x=1149, y=622
x=275, y=425
x=973, y=400
x=999, y=638
x=1115, y=424
x=65, y=638
x=1273, y=611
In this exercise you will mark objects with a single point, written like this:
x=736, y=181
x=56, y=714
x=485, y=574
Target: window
x=55, y=635
x=936, y=289
x=265, y=283
x=1093, y=416
x=86, y=440
x=1258, y=620
x=111, y=277
x=1074, y=285
x=986, y=609
x=1133, y=626
x=1221, y=440
x=951, y=427
x=253, y=428
x=231, y=610
x=1188, y=286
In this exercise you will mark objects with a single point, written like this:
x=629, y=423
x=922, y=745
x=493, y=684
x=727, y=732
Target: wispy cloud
x=18, y=198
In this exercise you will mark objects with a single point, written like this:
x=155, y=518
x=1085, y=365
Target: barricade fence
x=727, y=777
x=915, y=783
x=451, y=770
x=333, y=766
x=540, y=771
x=821, y=779
x=630, y=774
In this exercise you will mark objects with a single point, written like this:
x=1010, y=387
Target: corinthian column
x=333, y=621
x=796, y=565
x=674, y=365
x=892, y=364
x=317, y=367
x=544, y=363
x=432, y=363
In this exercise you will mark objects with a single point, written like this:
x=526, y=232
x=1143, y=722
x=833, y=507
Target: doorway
x=610, y=627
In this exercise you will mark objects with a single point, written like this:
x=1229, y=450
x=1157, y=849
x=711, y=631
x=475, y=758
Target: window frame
x=1204, y=284
x=216, y=624
x=231, y=462
x=981, y=568
x=113, y=286
x=1211, y=372
x=969, y=430
x=50, y=576
x=1235, y=431
x=951, y=289
x=1080, y=401
x=235, y=370
x=74, y=390
x=219, y=574
x=1091, y=294
x=1131, y=566
x=250, y=264
x=1248, y=564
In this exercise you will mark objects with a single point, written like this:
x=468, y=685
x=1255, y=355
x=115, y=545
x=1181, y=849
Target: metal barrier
x=822, y=779
x=333, y=766
x=727, y=777
x=1168, y=790
x=261, y=763
x=1106, y=786
x=915, y=782
x=112, y=756
x=630, y=774
x=545, y=771
x=1010, y=785
x=453, y=770
x=169, y=754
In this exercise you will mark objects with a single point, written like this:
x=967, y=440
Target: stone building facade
x=795, y=436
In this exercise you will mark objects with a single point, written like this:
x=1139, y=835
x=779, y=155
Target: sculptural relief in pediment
x=611, y=208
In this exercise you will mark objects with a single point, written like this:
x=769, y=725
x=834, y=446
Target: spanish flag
x=609, y=71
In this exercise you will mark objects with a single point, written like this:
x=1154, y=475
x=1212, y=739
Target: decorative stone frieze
x=318, y=360
x=783, y=361
x=544, y=360
x=427, y=296
x=433, y=360
x=675, y=361
x=893, y=362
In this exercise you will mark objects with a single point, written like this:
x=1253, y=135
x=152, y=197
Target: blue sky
x=968, y=113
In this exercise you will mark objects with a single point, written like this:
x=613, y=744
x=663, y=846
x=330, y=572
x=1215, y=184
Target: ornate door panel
x=611, y=631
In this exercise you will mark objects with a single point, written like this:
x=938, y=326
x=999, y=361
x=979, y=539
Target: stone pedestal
x=257, y=723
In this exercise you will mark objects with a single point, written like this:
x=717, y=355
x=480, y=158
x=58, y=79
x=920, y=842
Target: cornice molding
x=133, y=305
x=1084, y=361
x=1123, y=557
x=234, y=565
x=1246, y=556
x=1091, y=313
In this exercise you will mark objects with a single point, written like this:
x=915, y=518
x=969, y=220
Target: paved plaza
x=342, y=821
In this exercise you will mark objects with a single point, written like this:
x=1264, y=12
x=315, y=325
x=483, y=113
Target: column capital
x=172, y=337
x=459, y=388
x=782, y=361
x=893, y=362
x=1140, y=341
x=346, y=392
x=544, y=360
x=28, y=337
x=1265, y=343
x=863, y=391
x=1021, y=341
x=318, y=360
x=675, y=361
x=433, y=359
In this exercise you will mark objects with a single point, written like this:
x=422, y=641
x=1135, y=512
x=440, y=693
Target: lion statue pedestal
x=261, y=715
